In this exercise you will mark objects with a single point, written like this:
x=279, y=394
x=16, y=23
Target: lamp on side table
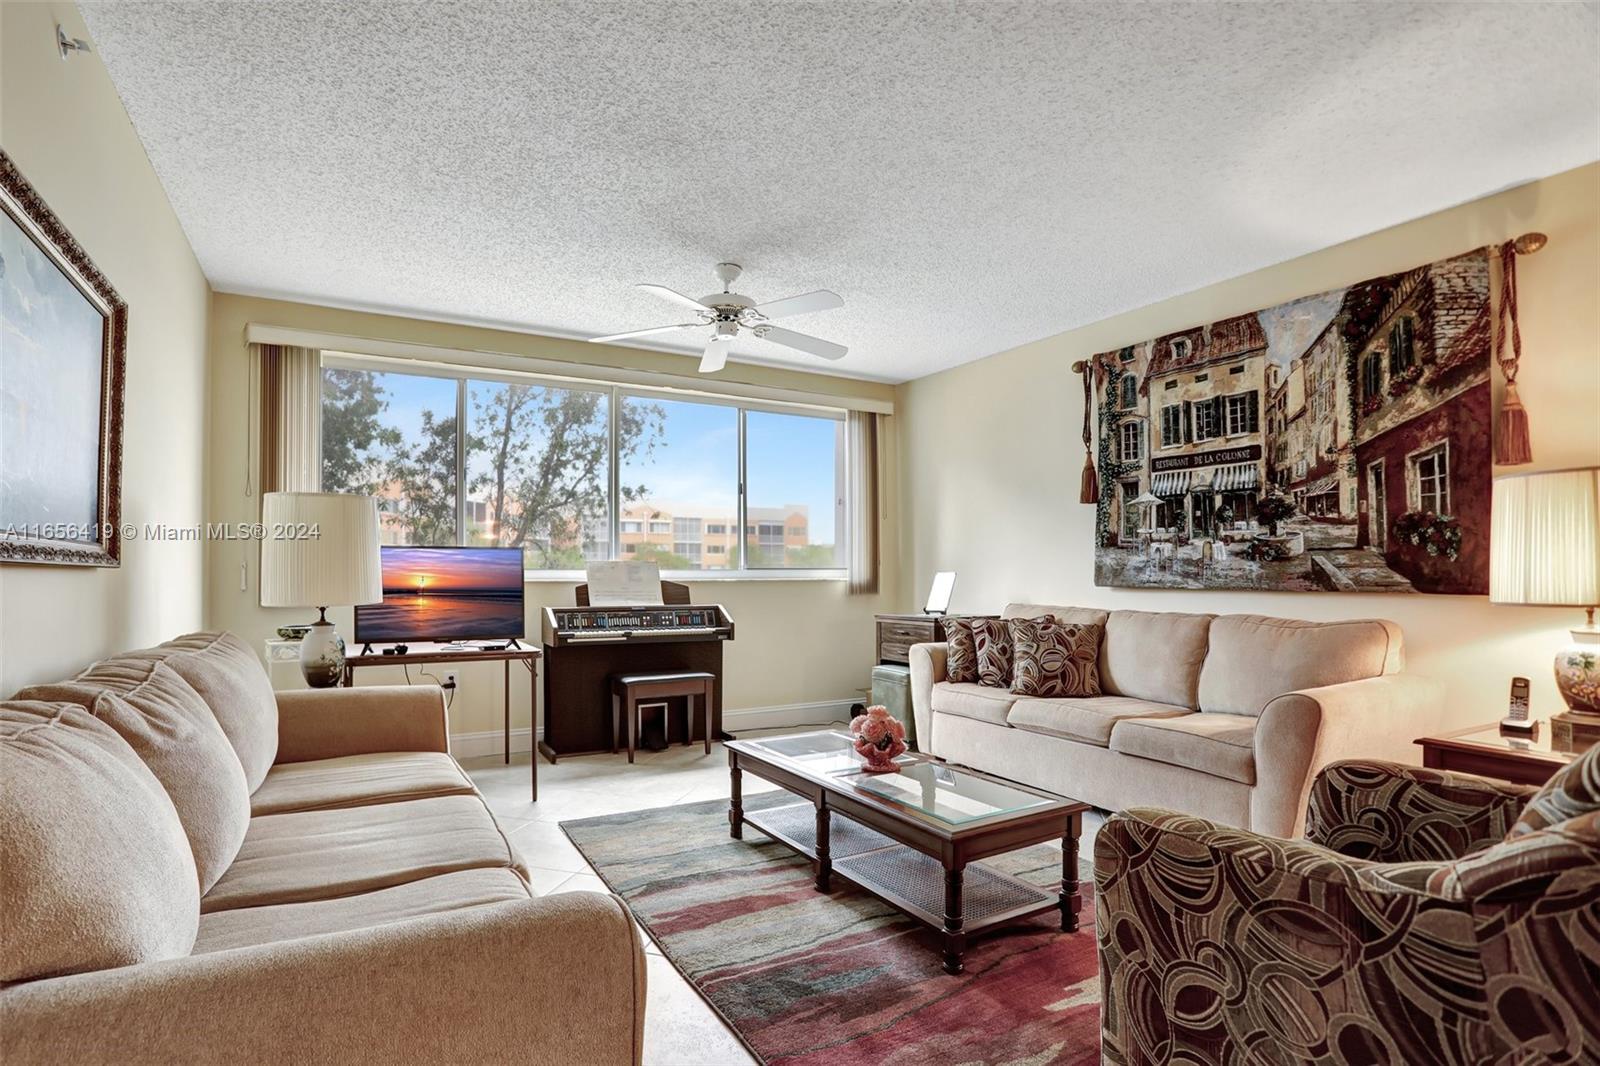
x=1544, y=549
x=320, y=550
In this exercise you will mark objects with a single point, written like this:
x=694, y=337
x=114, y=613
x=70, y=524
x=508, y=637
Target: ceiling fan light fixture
x=727, y=313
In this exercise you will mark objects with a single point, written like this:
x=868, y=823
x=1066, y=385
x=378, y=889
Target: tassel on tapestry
x=1511, y=444
x=1090, y=490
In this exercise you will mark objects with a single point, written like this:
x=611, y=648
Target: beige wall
x=64, y=127
x=798, y=642
x=992, y=452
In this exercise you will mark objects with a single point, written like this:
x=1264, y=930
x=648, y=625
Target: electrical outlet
x=449, y=680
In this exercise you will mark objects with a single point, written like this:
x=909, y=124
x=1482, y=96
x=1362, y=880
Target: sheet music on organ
x=624, y=584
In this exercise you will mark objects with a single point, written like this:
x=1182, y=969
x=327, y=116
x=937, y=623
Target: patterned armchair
x=1428, y=917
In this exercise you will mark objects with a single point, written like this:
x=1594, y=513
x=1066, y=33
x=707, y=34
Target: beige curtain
x=288, y=418
x=861, y=501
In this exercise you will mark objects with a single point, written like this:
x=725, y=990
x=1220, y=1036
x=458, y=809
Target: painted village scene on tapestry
x=1339, y=442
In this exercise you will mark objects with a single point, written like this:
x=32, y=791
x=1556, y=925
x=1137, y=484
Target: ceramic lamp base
x=1578, y=671
x=322, y=655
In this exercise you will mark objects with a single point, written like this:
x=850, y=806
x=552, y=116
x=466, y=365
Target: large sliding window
x=394, y=436
x=577, y=474
x=678, y=475
x=538, y=472
x=794, y=472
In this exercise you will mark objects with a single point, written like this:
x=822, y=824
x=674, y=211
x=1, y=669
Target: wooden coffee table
x=912, y=838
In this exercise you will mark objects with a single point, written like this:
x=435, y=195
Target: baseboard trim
x=820, y=712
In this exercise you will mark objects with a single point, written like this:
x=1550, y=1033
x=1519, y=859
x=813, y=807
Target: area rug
x=808, y=979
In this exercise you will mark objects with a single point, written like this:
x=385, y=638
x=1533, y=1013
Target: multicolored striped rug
x=808, y=979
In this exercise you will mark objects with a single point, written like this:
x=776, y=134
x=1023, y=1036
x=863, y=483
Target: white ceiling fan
x=727, y=313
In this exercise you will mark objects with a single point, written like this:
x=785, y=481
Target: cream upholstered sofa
x=196, y=869
x=1227, y=717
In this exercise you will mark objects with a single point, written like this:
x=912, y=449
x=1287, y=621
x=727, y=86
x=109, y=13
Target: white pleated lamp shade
x=1544, y=545
x=333, y=564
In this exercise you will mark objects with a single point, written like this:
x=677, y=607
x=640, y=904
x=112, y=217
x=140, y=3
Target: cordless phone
x=1516, y=719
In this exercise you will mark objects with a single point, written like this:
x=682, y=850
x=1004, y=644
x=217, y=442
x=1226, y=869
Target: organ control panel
x=585, y=625
x=586, y=647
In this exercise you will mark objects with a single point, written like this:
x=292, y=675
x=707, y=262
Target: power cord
x=449, y=687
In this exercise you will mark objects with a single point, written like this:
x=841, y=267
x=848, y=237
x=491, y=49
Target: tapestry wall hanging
x=1340, y=442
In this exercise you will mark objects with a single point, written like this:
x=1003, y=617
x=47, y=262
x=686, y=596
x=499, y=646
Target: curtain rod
x=263, y=333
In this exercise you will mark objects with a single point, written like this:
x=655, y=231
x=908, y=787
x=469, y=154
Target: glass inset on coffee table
x=911, y=838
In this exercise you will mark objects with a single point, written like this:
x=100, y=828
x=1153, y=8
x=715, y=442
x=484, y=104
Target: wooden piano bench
x=631, y=694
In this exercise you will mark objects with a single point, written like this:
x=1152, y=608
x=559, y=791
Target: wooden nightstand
x=1484, y=750
x=897, y=632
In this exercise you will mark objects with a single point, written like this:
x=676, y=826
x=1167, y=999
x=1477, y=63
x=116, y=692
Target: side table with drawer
x=897, y=632
x=1486, y=751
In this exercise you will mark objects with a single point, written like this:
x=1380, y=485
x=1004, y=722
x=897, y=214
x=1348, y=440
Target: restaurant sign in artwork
x=1339, y=442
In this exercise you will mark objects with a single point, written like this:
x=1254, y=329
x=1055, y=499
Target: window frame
x=1137, y=436
x=1176, y=411
x=463, y=375
x=1439, y=452
x=1402, y=344
x=1213, y=409
x=1249, y=419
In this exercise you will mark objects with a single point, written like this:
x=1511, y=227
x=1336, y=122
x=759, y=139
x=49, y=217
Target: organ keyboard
x=585, y=646
x=564, y=625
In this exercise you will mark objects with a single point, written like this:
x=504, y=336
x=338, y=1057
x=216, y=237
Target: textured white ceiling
x=969, y=176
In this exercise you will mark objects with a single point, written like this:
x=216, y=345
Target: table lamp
x=1544, y=549
x=320, y=550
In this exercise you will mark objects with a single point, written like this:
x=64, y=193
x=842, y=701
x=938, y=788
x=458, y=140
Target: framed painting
x=63, y=342
x=1340, y=442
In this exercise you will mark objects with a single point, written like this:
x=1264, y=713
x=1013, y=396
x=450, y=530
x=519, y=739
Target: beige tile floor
x=680, y=1029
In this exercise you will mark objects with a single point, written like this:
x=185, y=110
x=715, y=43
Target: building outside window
x=1431, y=475
x=795, y=491
x=632, y=526
x=661, y=527
x=1130, y=392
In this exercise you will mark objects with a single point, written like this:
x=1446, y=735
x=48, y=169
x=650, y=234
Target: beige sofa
x=1227, y=717
x=196, y=869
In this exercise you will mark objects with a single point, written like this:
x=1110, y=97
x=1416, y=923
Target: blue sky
x=1291, y=327
x=790, y=457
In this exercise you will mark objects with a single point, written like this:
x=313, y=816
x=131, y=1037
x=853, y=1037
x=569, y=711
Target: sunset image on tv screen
x=432, y=594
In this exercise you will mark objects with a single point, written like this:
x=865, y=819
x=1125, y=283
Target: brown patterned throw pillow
x=1054, y=658
x=961, y=660
x=993, y=639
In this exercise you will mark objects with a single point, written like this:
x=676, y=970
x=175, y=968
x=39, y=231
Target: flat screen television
x=445, y=594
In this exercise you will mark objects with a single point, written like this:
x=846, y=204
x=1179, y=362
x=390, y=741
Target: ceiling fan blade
x=642, y=332
x=805, y=303
x=804, y=342
x=716, y=355
x=675, y=296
